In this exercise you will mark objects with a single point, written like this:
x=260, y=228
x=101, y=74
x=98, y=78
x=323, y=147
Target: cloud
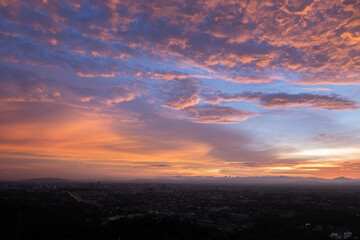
x=324, y=135
x=19, y=85
x=181, y=93
x=56, y=136
x=284, y=100
x=216, y=97
x=312, y=101
x=24, y=86
x=245, y=39
x=173, y=75
x=217, y=114
x=319, y=89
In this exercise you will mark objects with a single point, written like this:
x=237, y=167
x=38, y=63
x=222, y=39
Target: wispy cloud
x=285, y=100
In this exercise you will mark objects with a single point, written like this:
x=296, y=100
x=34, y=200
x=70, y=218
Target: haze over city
x=121, y=90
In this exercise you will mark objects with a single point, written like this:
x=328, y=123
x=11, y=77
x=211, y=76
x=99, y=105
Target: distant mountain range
x=217, y=180
x=45, y=180
x=254, y=180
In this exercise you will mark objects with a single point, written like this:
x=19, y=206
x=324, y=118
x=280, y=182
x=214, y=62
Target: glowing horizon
x=120, y=89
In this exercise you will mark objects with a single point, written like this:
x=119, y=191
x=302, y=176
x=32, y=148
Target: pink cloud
x=181, y=93
x=217, y=114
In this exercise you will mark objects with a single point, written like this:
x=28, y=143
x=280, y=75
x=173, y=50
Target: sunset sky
x=125, y=89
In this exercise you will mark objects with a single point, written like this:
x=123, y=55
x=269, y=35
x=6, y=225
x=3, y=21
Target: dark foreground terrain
x=178, y=211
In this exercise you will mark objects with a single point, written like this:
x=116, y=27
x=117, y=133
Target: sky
x=126, y=89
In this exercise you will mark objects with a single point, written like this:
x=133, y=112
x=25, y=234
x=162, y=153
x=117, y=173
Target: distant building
x=347, y=235
x=336, y=235
x=341, y=235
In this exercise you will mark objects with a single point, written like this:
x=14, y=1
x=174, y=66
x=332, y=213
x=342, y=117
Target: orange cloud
x=74, y=138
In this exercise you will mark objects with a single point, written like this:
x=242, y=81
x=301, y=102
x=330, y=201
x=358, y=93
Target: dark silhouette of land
x=59, y=209
x=217, y=180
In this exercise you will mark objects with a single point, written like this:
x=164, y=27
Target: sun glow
x=324, y=153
